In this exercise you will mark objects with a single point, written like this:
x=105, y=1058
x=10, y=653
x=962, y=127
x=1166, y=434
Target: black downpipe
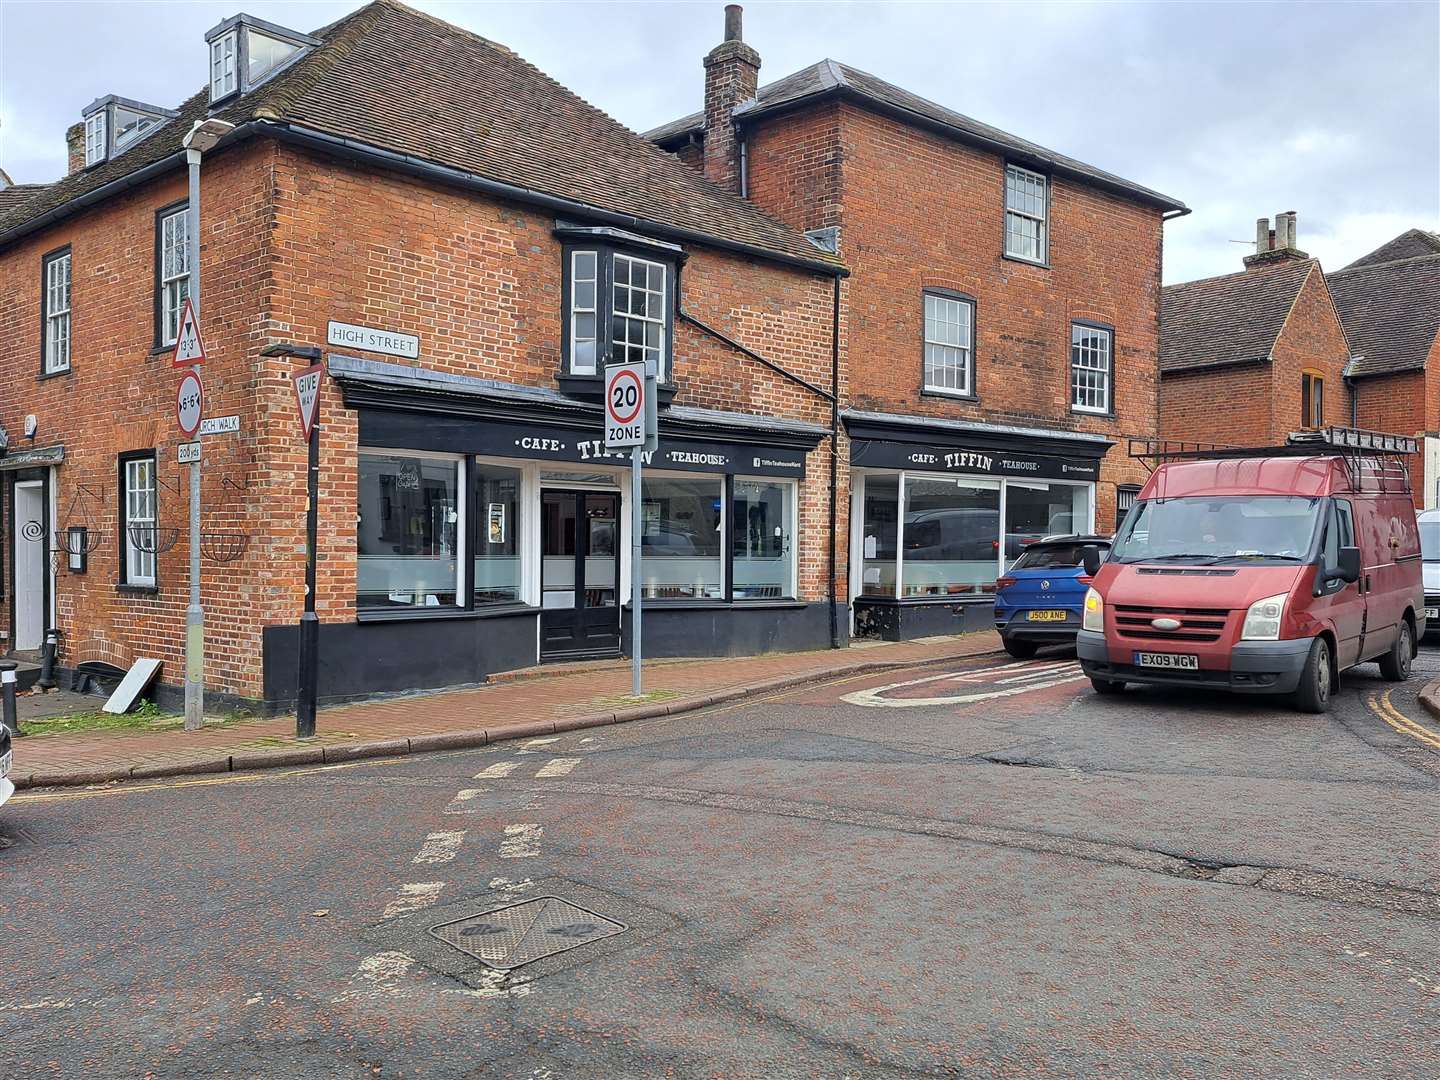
x=832, y=396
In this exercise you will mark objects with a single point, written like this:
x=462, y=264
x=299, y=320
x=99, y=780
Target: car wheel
x=1313, y=693
x=1021, y=650
x=1395, y=664
x=1107, y=686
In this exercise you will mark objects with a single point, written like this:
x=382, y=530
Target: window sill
x=714, y=605
x=161, y=350
x=1108, y=415
x=424, y=614
x=45, y=375
x=927, y=601
x=137, y=590
x=948, y=395
x=1037, y=263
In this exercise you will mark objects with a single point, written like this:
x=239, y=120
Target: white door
x=30, y=532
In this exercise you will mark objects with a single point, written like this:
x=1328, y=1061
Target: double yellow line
x=1381, y=706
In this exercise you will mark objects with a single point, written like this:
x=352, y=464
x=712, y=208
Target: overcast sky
x=1238, y=109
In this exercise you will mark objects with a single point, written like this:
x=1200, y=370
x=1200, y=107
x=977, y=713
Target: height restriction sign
x=189, y=349
x=189, y=404
x=624, y=405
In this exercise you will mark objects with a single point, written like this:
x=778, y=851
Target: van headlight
x=1262, y=621
x=1094, y=616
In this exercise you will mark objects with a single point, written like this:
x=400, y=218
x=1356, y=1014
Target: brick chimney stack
x=75, y=148
x=1277, y=244
x=732, y=75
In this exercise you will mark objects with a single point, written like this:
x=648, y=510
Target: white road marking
x=414, y=896
x=559, y=766
x=460, y=804
x=542, y=742
x=439, y=847
x=521, y=841
x=873, y=698
x=505, y=884
x=41, y=1003
x=1048, y=673
x=378, y=976
x=499, y=769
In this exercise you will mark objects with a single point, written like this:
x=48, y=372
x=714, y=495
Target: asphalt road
x=975, y=870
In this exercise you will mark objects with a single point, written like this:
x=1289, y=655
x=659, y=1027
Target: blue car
x=1039, y=599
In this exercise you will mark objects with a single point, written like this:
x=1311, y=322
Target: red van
x=1262, y=574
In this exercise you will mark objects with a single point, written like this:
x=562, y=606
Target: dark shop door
x=579, y=575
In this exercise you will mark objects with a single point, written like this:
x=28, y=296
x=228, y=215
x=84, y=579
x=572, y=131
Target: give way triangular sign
x=189, y=349
x=307, y=396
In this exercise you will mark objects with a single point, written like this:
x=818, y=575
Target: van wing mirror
x=1090, y=559
x=1347, y=565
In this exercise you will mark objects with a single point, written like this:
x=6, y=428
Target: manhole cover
x=510, y=937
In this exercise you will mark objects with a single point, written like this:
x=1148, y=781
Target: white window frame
x=1106, y=386
x=618, y=317
x=593, y=311
x=173, y=287
x=225, y=65
x=95, y=146
x=139, y=564
x=966, y=349
x=1015, y=177
x=57, y=313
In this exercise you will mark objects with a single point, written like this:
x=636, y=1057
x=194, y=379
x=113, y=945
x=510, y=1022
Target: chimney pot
x=1262, y=235
x=733, y=12
x=1290, y=240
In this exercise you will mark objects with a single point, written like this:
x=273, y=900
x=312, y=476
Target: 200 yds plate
x=1182, y=661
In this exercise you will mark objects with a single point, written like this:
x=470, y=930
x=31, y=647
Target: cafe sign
x=916, y=457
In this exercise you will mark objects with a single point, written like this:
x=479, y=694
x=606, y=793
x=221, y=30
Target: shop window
x=763, y=530
x=1312, y=400
x=1027, y=210
x=409, y=531
x=138, y=513
x=950, y=536
x=55, y=312
x=1090, y=368
x=497, y=548
x=172, y=271
x=881, y=519
x=618, y=311
x=1035, y=509
x=681, y=539
x=949, y=340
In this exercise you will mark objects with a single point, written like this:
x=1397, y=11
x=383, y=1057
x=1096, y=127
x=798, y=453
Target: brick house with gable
x=1389, y=302
x=464, y=244
x=1247, y=358
x=1001, y=320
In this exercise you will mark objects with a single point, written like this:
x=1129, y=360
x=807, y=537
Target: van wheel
x=1107, y=686
x=1395, y=664
x=1021, y=650
x=1313, y=693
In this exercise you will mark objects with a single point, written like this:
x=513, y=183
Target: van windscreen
x=1212, y=529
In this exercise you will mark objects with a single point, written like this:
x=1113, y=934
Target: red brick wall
x=119, y=397
x=1311, y=339
x=1229, y=405
x=1403, y=403
x=916, y=210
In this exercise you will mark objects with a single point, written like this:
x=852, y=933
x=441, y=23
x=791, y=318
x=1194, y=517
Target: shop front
x=940, y=509
x=493, y=532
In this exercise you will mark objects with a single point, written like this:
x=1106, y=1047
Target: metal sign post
x=190, y=350
x=629, y=389
x=307, y=399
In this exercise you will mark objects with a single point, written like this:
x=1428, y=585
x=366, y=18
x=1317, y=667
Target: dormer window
x=114, y=124
x=245, y=51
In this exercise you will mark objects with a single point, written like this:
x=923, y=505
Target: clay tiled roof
x=390, y=77
x=12, y=195
x=1390, y=311
x=1233, y=319
x=1408, y=245
x=832, y=78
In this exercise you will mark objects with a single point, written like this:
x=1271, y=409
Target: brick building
x=465, y=244
x=1247, y=358
x=1001, y=320
x=1389, y=302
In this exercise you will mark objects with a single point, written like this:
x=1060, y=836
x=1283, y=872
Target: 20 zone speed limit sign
x=624, y=405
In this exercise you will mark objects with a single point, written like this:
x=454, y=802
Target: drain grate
x=518, y=934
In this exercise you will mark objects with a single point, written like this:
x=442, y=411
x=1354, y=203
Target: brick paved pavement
x=516, y=705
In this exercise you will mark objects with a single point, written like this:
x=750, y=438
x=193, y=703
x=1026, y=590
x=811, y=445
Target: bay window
x=618, y=307
x=409, y=530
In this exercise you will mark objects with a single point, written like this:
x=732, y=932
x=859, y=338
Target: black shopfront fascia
x=916, y=447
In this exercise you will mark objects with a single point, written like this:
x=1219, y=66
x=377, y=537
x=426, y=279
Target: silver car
x=1430, y=552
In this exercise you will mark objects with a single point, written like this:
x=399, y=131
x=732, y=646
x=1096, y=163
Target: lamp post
x=202, y=137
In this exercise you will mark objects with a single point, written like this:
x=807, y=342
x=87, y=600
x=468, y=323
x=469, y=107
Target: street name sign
x=189, y=349
x=624, y=405
x=220, y=425
x=307, y=396
x=189, y=404
x=189, y=453
x=371, y=339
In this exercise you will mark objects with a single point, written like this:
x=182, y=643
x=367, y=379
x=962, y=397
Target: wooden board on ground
x=140, y=675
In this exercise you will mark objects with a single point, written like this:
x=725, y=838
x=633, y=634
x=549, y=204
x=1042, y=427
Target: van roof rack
x=1376, y=456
